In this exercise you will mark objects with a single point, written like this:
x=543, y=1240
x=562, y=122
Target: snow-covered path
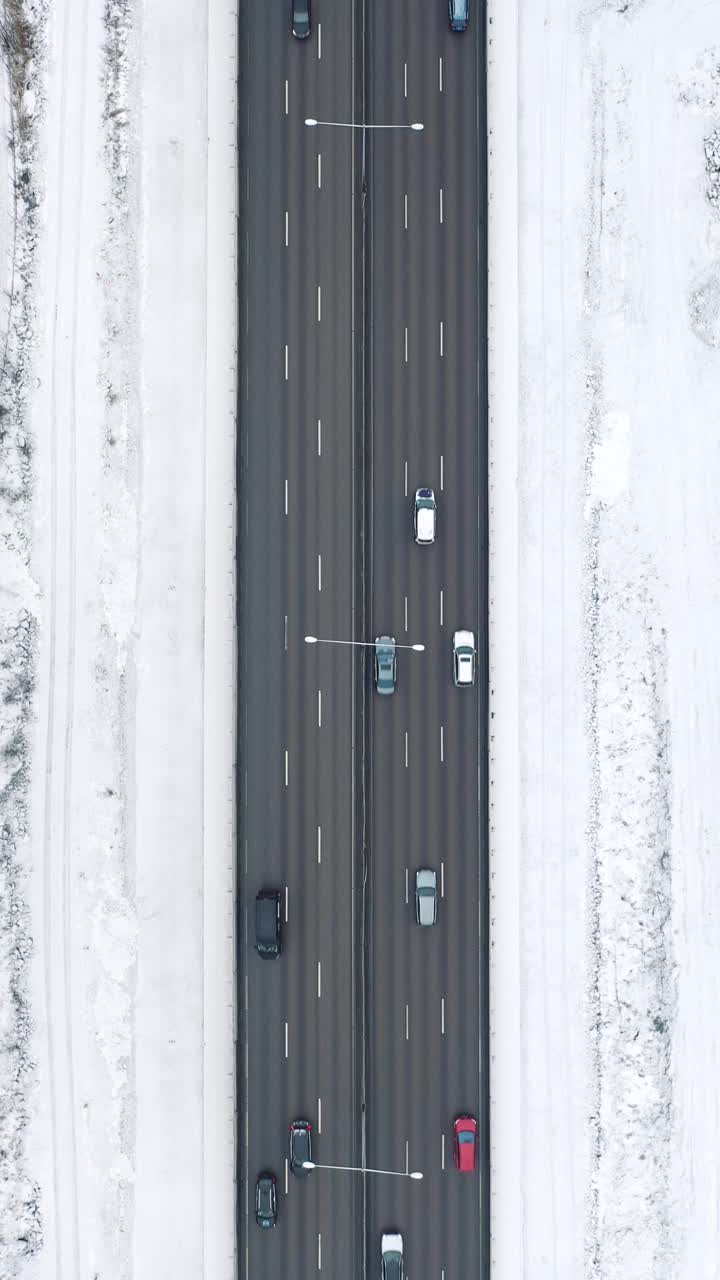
x=128, y=1157
x=613, y=1130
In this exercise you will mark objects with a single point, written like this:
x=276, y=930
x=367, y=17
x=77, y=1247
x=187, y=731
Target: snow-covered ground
x=606, y=850
x=117, y=414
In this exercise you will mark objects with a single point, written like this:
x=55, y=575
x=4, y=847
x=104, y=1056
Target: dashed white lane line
x=319, y=1116
x=442, y=1016
x=405, y=78
x=407, y=885
x=286, y=633
x=442, y=469
x=319, y=1251
x=406, y=344
x=442, y=1154
x=406, y=210
x=319, y=303
x=406, y=478
x=286, y=904
x=319, y=167
x=319, y=25
x=319, y=984
x=286, y=362
x=441, y=607
x=442, y=879
x=406, y=748
x=287, y=767
x=319, y=708
x=287, y=228
x=407, y=1156
x=319, y=438
x=286, y=97
x=441, y=84
x=406, y=624
x=286, y=1175
x=286, y=1039
x=442, y=744
x=319, y=845
x=441, y=337
x=319, y=573
x=407, y=1022
x=441, y=204
x=286, y=497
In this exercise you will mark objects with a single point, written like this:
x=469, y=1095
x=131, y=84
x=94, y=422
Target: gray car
x=385, y=664
x=425, y=896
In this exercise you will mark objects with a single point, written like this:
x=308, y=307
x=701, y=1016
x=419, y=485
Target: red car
x=465, y=1130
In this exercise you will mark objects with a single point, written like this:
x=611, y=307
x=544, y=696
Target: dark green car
x=385, y=664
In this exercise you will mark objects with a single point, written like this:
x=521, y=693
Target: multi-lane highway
x=343, y=413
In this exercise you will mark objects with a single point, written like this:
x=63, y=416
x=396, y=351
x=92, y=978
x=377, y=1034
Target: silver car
x=425, y=896
x=463, y=658
x=424, y=518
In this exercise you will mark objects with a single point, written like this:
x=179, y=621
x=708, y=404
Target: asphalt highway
x=306, y=433
x=426, y=197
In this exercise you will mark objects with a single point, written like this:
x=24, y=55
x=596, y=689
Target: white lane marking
x=441, y=607
x=319, y=981
x=442, y=1016
x=442, y=469
x=286, y=362
x=441, y=204
x=287, y=228
x=406, y=345
x=319, y=847
x=406, y=210
x=319, y=1251
x=442, y=744
x=406, y=477
x=406, y=613
x=406, y=748
x=442, y=879
x=441, y=88
x=407, y=1022
x=441, y=337
x=405, y=78
x=286, y=904
x=319, y=573
x=319, y=708
x=319, y=438
x=319, y=304
x=286, y=97
x=286, y=1175
x=407, y=885
x=319, y=1115
x=286, y=768
x=286, y=633
x=407, y=1156
x=286, y=1039
x=442, y=1157
x=286, y=497
x=319, y=170
x=319, y=41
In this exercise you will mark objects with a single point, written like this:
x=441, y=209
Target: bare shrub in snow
x=704, y=307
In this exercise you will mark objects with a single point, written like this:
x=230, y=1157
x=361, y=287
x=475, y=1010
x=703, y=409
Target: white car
x=463, y=657
x=426, y=896
x=424, y=519
x=392, y=1256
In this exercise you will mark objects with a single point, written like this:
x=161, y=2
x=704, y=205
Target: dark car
x=268, y=942
x=301, y=19
x=466, y=1131
x=300, y=1147
x=459, y=14
x=266, y=1200
x=385, y=664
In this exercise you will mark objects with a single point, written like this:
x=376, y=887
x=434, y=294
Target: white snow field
x=605, y=667
x=117, y=477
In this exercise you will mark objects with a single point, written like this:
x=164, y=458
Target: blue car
x=385, y=664
x=459, y=14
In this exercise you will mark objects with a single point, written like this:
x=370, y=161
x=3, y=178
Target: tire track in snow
x=65, y=187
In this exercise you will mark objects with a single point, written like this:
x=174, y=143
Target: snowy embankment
x=117, y=520
x=613, y=908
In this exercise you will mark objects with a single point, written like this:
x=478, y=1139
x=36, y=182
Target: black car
x=300, y=1146
x=459, y=14
x=301, y=19
x=268, y=941
x=266, y=1200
